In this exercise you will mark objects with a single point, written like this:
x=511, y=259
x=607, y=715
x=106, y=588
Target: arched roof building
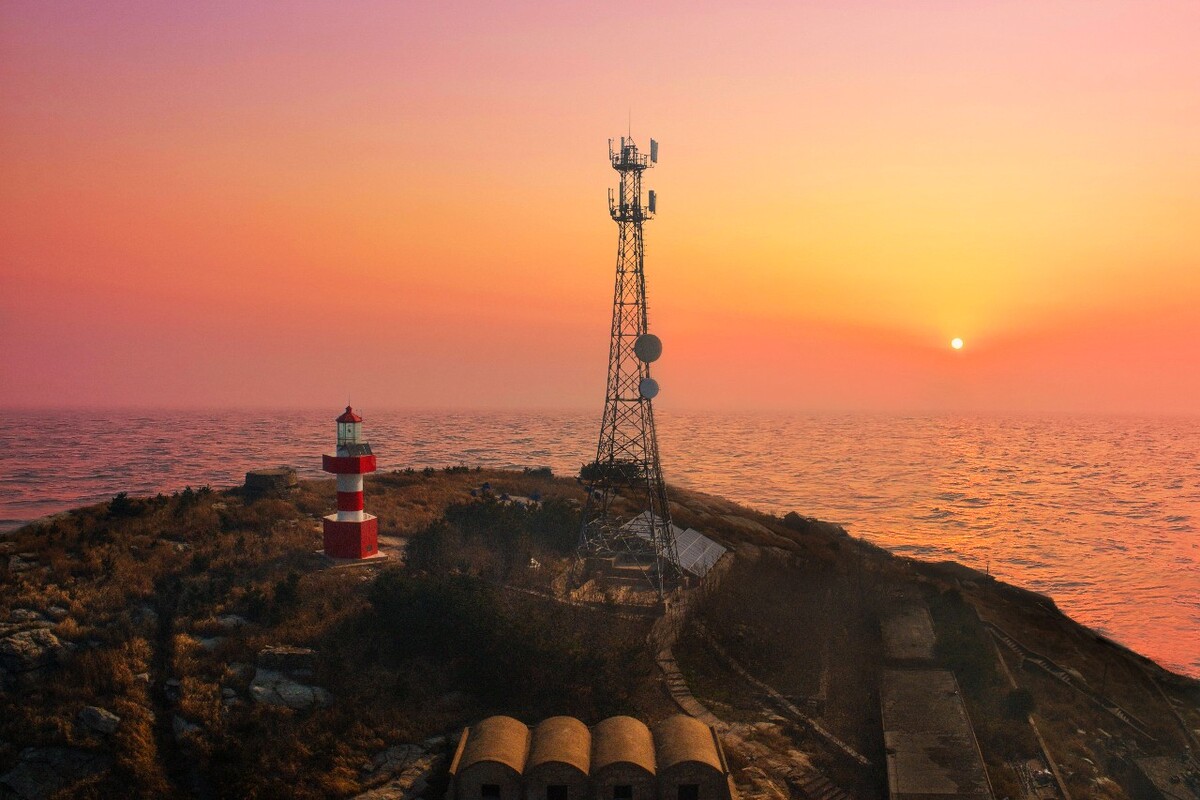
x=623, y=764
x=617, y=759
x=559, y=760
x=691, y=763
x=564, y=740
x=490, y=759
x=622, y=740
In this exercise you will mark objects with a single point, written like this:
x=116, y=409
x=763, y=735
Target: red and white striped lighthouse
x=350, y=533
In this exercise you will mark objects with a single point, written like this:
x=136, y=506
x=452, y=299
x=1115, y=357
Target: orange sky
x=216, y=205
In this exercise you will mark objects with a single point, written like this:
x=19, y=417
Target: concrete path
x=663, y=637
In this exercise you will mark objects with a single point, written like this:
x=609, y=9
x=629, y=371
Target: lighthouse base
x=351, y=539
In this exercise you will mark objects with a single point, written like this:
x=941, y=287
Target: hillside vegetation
x=238, y=663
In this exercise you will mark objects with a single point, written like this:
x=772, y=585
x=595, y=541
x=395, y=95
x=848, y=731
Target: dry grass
x=144, y=579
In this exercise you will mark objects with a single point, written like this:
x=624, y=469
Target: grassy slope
x=145, y=580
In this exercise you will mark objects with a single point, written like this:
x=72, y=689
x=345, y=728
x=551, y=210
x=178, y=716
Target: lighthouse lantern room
x=350, y=533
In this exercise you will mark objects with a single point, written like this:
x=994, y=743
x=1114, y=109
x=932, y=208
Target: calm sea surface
x=1100, y=513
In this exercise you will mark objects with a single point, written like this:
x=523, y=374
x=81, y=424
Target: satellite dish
x=647, y=348
x=648, y=388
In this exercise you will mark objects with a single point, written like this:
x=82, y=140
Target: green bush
x=553, y=658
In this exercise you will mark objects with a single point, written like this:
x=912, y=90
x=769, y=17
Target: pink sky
x=221, y=204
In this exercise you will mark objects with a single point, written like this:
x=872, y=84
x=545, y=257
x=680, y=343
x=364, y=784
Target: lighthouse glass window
x=348, y=433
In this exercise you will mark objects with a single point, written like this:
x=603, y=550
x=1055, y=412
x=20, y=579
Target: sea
x=1100, y=513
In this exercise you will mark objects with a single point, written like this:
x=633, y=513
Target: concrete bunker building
x=617, y=759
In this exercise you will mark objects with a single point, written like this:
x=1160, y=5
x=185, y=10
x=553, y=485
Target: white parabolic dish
x=648, y=388
x=647, y=348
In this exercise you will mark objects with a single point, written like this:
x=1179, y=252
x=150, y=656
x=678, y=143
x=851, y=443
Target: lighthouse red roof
x=349, y=416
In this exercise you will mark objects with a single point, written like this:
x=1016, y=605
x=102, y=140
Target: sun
x=956, y=343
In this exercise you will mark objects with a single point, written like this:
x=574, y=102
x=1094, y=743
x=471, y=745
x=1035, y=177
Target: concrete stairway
x=818, y=787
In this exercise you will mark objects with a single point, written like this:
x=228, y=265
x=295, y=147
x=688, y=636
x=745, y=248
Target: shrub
x=121, y=506
x=617, y=471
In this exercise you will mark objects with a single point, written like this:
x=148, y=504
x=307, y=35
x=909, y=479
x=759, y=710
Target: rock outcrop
x=29, y=650
x=402, y=772
x=277, y=680
x=276, y=689
x=98, y=720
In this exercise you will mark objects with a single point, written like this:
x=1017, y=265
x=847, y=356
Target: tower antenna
x=638, y=529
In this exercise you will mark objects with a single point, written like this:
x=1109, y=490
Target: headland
x=196, y=644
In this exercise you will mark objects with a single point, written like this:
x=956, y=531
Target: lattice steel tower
x=627, y=512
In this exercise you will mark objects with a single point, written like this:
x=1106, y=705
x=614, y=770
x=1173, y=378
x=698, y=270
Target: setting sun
x=956, y=343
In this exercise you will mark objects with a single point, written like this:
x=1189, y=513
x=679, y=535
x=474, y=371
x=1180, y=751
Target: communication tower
x=627, y=515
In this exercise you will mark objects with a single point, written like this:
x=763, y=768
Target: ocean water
x=1099, y=513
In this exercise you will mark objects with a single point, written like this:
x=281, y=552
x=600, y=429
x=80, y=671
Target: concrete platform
x=932, y=753
x=351, y=563
x=908, y=636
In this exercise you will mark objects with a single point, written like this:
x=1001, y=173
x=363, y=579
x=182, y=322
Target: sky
x=228, y=204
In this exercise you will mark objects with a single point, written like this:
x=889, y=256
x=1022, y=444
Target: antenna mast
x=627, y=516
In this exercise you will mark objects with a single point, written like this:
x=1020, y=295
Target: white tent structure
x=696, y=552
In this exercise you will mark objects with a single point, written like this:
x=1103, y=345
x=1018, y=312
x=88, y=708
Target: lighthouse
x=350, y=533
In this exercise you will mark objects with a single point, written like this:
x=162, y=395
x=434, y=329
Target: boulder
x=409, y=783
x=231, y=622
x=283, y=658
x=276, y=689
x=43, y=772
x=183, y=727
x=20, y=563
x=24, y=615
x=57, y=613
x=98, y=720
x=29, y=650
x=394, y=759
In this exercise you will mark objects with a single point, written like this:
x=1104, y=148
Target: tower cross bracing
x=627, y=466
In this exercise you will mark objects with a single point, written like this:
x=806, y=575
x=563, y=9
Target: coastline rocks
x=276, y=689
x=43, y=772
x=98, y=720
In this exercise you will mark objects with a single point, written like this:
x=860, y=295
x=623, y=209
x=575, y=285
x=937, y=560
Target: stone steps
x=820, y=787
